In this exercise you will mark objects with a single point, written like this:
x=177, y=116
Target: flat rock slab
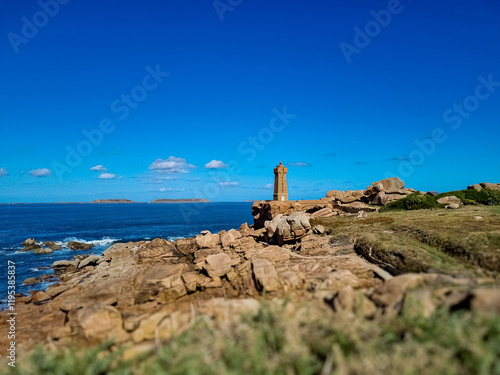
x=265, y=275
x=217, y=265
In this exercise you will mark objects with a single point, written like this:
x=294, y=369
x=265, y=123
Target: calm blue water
x=102, y=225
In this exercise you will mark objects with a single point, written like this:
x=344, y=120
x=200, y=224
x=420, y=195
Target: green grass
x=495, y=210
x=451, y=241
x=408, y=254
x=417, y=201
x=93, y=361
x=486, y=196
x=278, y=340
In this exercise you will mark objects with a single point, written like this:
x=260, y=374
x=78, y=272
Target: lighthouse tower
x=280, y=189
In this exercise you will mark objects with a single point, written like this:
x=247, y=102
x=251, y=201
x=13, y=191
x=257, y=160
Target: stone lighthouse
x=280, y=189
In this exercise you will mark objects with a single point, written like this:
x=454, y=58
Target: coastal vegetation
x=418, y=201
x=277, y=341
x=415, y=201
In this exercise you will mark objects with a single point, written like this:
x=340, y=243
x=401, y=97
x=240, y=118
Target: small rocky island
x=112, y=201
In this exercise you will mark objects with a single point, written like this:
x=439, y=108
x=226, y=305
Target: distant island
x=188, y=200
x=112, y=201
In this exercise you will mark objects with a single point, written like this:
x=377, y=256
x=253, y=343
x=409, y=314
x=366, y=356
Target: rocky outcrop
x=186, y=245
x=482, y=185
x=217, y=265
x=379, y=193
x=318, y=229
x=89, y=261
x=323, y=208
x=391, y=183
x=264, y=211
x=207, y=240
x=283, y=229
x=52, y=245
x=43, y=251
x=353, y=208
x=75, y=245
x=97, y=322
x=229, y=238
x=385, y=191
x=324, y=212
x=265, y=276
x=40, y=297
x=450, y=201
x=347, y=196
x=30, y=244
x=31, y=281
x=61, y=264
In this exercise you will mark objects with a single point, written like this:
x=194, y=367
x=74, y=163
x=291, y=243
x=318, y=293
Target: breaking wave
x=102, y=242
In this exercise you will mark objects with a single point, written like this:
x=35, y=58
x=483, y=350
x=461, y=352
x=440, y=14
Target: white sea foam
x=174, y=238
x=102, y=242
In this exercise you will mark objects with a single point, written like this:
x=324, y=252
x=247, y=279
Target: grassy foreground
x=277, y=341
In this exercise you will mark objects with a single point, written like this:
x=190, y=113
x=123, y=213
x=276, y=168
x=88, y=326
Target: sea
x=102, y=225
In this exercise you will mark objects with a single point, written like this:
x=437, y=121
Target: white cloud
x=216, y=164
x=170, y=178
x=229, y=184
x=3, y=172
x=107, y=176
x=170, y=189
x=41, y=172
x=268, y=186
x=171, y=165
x=299, y=164
x=99, y=167
x=156, y=179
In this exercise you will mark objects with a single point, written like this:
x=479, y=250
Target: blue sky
x=202, y=99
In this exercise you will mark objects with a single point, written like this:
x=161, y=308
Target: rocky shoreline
x=137, y=293
x=37, y=247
